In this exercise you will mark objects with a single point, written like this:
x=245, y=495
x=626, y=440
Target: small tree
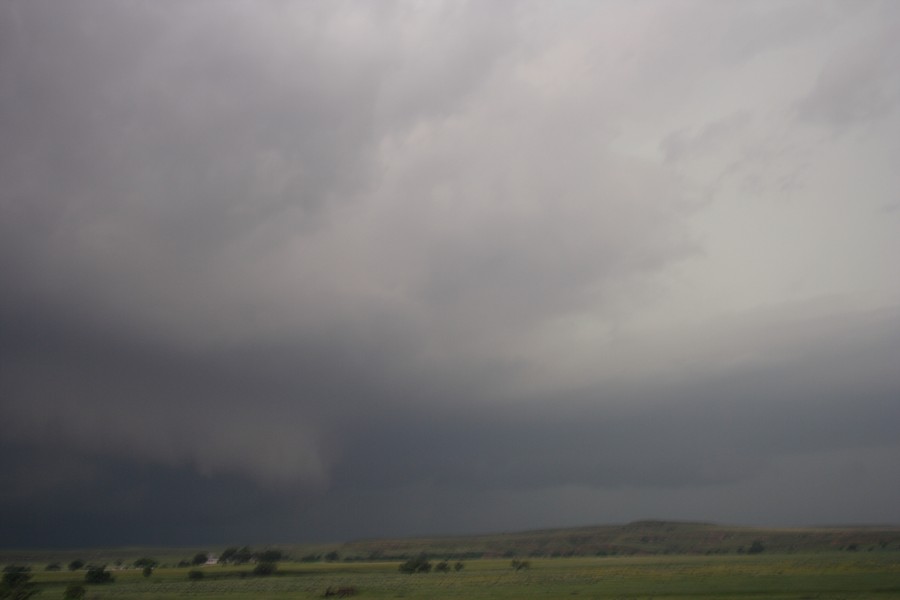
x=264, y=568
x=76, y=564
x=756, y=547
x=518, y=565
x=16, y=583
x=98, y=575
x=75, y=591
x=53, y=567
x=459, y=566
x=419, y=564
x=243, y=555
x=270, y=555
x=146, y=562
x=442, y=567
x=148, y=571
x=228, y=554
x=199, y=558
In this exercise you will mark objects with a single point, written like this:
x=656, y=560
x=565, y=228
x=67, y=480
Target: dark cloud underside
x=275, y=271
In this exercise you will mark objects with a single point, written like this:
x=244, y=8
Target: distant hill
x=640, y=537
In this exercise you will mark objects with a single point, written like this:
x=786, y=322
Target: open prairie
x=824, y=576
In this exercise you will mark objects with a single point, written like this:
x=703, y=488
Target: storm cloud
x=293, y=271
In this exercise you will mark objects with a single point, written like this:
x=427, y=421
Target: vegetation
x=199, y=558
x=74, y=591
x=647, y=559
x=824, y=575
x=145, y=561
x=420, y=564
x=756, y=547
x=97, y=575
x=16, y=583
x=633, y=539
x=519, y=565
x=263, y=569
x=239, y=556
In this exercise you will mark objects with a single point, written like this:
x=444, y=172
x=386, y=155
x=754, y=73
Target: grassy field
x=824, y=576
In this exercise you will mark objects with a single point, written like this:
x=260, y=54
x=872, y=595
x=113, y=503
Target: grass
x=823, y=576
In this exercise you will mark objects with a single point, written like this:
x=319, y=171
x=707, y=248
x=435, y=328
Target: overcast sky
x=292, y=271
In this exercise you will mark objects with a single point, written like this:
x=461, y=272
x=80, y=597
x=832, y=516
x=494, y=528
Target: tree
x=75, y=591
x=264, y=568
x=270, y=555
x=199, y=559
x=756, y=547
x=332, y=556
x=98, y=575
x=17, y=584
x=419, y=564
x=148, y=571
x=442, y=567
x=195, y=574
x=241, y=556
x=146, y=562
x=76, y=564
x=53, y=567
x=228, y=554
x=459, y=566
x=518, y=565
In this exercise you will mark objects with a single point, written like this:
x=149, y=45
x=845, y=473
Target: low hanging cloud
x=233, y=201
x=340, y=251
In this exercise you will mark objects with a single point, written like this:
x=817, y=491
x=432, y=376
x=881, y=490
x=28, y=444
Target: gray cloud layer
x=367, y=259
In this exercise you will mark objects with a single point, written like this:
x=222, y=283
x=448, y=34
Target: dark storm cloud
x=678, y=433
x=275, y=270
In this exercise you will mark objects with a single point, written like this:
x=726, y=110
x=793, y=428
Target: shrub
x=270, y=555
x=75, y=591
x=243, y=555
x=16, y=569
x=264, y=568
x=76, y=564
x=199, y=558
x=518, y=565
x=146, y=562
x=98, y=575
x=227, y=554
x=16, y=583
x=195, y=574
x=416, y=565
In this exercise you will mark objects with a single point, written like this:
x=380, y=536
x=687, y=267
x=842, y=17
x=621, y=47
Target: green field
x=640, y=560
x=785, y=576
